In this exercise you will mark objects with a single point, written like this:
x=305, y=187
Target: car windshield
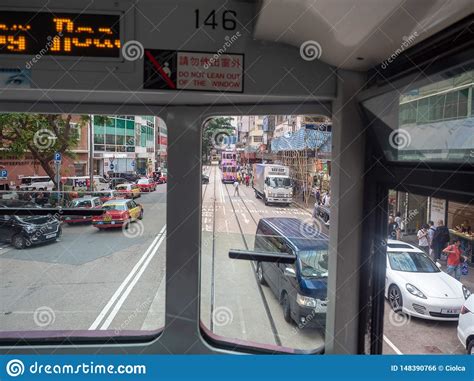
x=412, y=262
x=314, y=263
x=81, y=203
x=143, y=181
x=114, y=207
x=279, y=182
x=26, y=181
x=121, y=187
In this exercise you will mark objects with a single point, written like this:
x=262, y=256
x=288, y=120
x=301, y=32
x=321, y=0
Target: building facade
x=124, y=143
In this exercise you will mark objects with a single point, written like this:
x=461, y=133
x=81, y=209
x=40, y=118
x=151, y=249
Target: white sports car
x=415, y=285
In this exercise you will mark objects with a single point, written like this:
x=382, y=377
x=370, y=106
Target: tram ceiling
x=355, y=34
x=66, y=71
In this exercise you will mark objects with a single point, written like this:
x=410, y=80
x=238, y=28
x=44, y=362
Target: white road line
x=129, y=289
x=117, y=293
x=392, y=345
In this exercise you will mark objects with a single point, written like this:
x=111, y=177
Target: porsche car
x=416, y=286
x=118, y=213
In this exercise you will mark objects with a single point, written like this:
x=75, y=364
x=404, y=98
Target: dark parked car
x=25, y=231
x=300, y=287
x=130, y=177
x=321, y=212
x=204, y=179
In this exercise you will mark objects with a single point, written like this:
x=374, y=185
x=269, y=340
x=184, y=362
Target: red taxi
x=128, y=190
x=118, y=213
x=80, y=203
x=146, y=185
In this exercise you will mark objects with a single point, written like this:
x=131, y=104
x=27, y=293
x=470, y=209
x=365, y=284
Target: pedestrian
x=440, y=239
x=431, y=232
x=327, y=202
x=423, y=242
x=455, y=259
x=398, y=220
x=317, y=196
x=236, y=188
x=247, y=180
x=392, y=228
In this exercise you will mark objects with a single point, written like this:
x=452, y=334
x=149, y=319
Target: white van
x=38, y=182
x=82, y=183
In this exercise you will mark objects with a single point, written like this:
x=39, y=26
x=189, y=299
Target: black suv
x=25, y=231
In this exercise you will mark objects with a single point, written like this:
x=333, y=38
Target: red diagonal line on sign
x=158, y=67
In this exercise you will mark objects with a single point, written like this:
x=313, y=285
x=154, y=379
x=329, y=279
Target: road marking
x=117, y=293
x=392, y=345
x=129, y=289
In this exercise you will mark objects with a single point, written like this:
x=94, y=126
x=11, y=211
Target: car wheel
x=265, y=200
x=395, y=298
x=140, y=217
x=470, y=347
x=19, y=242
x=259, y=271
x=286, y=307
x=126, y=225
x=256, y=195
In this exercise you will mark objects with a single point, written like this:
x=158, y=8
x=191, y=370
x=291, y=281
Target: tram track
x=266, y=306
x=213, y=297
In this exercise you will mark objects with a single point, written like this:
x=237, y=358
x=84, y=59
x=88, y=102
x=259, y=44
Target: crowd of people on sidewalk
x=435, y=242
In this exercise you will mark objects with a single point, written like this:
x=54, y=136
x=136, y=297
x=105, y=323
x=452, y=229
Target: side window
x=133, y=204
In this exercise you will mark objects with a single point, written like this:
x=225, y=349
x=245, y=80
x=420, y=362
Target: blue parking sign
x=3, y=173
x=57, y=156
x=111, y=166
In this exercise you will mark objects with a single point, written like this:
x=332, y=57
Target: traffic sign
x=3, y=173
x=57, y=156
x=132, y=163
x=111, y=166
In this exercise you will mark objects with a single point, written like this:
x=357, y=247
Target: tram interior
x=193, y=177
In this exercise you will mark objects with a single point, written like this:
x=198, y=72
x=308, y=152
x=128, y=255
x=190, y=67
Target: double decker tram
x=196, y=266
x=229, y=166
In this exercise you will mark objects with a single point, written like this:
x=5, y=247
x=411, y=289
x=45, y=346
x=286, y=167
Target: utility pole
x=91, y=153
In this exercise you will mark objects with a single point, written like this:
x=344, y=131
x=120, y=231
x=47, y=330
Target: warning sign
x=194, y=71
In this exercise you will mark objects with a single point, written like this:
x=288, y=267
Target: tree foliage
x=215, y=134
x=39, y=135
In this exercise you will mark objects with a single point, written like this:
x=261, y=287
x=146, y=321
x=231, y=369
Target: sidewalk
x=467, y=280
x=298, y=202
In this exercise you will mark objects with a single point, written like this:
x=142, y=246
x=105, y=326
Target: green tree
x=40, y=135
x=216, y=135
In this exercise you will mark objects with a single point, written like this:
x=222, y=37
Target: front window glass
x=81, y=204
x=314, y=263
x=412, y=262
x=274, y=306
x=72, y=272
x=278, y=182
